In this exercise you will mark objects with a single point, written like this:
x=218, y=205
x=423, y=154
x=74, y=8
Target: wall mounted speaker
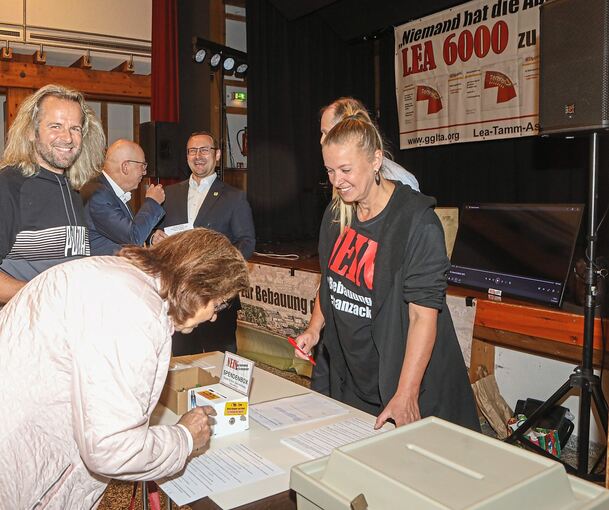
x=574, y=74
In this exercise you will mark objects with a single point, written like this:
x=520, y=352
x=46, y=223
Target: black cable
x=602, y=219
x=603, y=316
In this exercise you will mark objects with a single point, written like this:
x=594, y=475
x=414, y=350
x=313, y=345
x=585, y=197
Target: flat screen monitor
x=520, y=250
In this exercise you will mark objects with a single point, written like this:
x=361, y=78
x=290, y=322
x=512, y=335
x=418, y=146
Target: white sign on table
x=237, y=373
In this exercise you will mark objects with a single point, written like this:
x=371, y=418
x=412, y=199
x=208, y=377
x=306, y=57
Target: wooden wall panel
x=14, y=97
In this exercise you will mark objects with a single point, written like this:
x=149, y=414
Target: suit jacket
x=225, y=210
x=111, y=222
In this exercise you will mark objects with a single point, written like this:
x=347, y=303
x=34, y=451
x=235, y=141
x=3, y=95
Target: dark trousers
x=219, y=335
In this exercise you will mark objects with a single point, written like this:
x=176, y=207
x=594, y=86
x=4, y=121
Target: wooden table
x=285, y=500
x=271, y=493
x=526, y=327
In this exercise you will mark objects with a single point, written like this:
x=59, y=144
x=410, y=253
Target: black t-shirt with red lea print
x=350, y=280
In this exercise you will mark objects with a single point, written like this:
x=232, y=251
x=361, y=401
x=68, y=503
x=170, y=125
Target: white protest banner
x=469, y=73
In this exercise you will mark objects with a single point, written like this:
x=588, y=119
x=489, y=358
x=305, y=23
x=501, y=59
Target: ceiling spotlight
x=229, y=63
x=224, y=59
x=200, y=55
x=215, y=60
x=241, y=69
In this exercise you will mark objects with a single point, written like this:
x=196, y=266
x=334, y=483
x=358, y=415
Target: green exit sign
x=239, y=96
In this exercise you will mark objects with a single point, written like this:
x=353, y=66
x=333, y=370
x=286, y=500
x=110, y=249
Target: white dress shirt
x=196, y=195
x=124, y=196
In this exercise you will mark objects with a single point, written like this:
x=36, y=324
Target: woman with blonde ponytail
x=391, y=344
x=331, y=115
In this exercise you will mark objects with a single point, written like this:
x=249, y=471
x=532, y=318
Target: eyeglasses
x=143, y=163
x=223, y=305
x=193, y=151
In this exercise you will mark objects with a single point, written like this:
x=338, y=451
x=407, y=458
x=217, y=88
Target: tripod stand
x=583, y=377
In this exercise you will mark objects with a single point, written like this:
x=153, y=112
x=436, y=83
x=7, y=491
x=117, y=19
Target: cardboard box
x=232, y=408
x=175, y=392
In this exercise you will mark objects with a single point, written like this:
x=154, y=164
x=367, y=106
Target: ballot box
x=432, y=464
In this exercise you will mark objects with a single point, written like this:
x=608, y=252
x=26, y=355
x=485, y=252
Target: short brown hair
x=195, y=267
x=214, y=140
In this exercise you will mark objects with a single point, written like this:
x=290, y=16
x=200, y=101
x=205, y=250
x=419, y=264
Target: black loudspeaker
x=574, y=77
x=160, y=143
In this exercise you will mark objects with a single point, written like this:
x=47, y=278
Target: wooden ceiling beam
x=125, y=67
x=134, y=88
x=6, y=53
x=83, y=62
x=37, y=57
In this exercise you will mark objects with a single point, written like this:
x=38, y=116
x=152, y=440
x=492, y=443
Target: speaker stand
x=583, y=378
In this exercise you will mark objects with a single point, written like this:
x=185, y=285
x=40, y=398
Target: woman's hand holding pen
x=306, y=341
x=198, y=423
x=309, y=338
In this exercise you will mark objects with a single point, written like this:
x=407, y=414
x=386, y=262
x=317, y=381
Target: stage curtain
x=296, y=67
x=165, y=86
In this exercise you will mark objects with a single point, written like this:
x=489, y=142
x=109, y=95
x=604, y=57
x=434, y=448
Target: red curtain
x=165, y=86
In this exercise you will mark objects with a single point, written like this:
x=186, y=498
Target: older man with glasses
x=203, y=200
x=111, y=222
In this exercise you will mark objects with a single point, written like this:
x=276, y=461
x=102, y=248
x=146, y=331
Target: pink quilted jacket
x=84, y=352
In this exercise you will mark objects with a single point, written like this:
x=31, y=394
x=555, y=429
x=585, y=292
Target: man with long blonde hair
x=54, y=145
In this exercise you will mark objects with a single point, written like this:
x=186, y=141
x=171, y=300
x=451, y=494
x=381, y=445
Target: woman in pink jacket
x=84, y=352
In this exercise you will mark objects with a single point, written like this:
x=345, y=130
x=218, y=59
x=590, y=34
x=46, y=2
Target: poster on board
x=469, y=73
x=279, y=300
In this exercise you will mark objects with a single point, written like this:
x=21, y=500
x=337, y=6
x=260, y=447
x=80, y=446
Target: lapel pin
x=215, y=193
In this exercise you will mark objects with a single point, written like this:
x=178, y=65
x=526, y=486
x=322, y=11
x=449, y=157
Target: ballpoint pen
x=293, y=342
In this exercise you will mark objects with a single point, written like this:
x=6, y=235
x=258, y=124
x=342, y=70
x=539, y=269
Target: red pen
x=293, y=342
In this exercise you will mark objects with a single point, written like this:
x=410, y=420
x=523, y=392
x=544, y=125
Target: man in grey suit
x=203, y=200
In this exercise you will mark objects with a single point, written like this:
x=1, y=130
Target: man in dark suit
x=205, y=201
x=111, y=223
